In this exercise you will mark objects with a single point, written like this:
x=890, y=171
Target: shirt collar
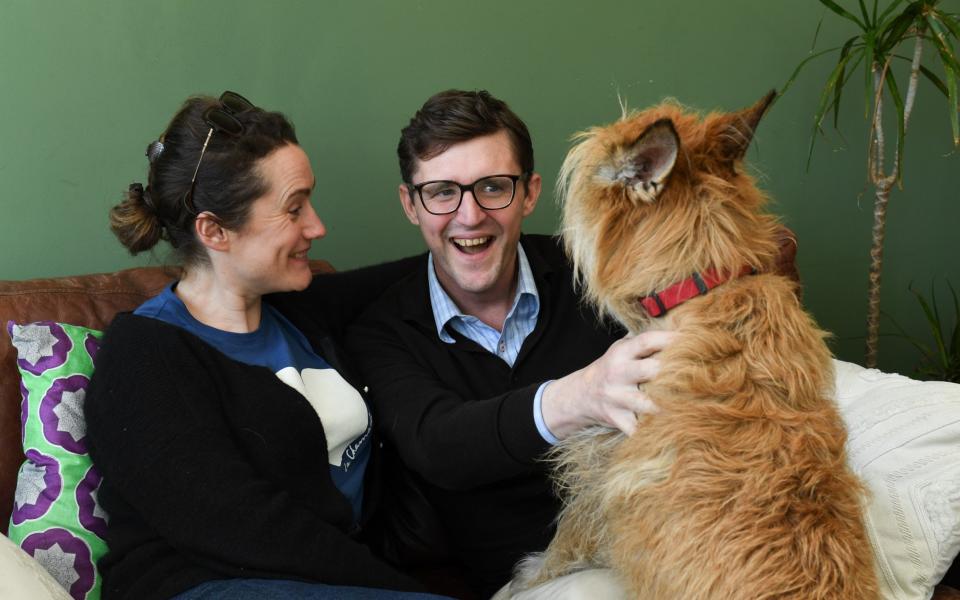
x=445, y=309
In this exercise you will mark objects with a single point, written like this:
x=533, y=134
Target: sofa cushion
x=24, y=578
x=89, y=301
x=904, y=443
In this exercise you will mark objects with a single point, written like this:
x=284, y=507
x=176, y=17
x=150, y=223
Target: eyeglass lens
x=235, y=103
x=444, y=196
x=222, y=117
x=223, y=121
x=219, y=118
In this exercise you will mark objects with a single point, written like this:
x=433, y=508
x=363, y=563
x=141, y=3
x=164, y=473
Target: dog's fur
x=738, y=487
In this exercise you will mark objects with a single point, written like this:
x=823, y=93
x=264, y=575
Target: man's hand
x=607, y=391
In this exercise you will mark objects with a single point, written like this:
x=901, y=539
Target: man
x=485, y=355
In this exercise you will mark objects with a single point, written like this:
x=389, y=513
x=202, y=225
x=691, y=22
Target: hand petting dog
x=608, y=391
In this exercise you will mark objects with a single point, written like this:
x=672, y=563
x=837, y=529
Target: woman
x=232, y=447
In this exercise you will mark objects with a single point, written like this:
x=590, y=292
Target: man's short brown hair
x=456, y=116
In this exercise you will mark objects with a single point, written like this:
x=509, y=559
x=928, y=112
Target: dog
x=738, y=486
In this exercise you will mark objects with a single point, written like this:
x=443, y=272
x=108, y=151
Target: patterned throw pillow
x=56, y=518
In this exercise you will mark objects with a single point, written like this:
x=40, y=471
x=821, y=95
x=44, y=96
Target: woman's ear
x=210, y=232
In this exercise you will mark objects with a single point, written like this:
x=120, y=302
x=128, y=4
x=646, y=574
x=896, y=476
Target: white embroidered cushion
x=904, y=443
x=23, y=577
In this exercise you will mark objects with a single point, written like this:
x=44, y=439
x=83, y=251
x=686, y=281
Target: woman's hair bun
x=135, y=221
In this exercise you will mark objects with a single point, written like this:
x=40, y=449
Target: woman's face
x=269, y=253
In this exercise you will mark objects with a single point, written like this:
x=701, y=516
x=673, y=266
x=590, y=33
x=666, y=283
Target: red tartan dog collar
x=698, y=284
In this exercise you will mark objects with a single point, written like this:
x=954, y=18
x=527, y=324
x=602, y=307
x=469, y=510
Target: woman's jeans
x=282, y=589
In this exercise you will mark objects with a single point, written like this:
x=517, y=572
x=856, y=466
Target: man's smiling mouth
x=472, y=245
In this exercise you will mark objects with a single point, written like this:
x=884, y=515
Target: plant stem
x=882, y=196
x=914, y=78
x=881, y=199
x=876, y=154
x=883, y=185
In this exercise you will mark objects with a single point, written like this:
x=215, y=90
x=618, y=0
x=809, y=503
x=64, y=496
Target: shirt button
x=503, y=347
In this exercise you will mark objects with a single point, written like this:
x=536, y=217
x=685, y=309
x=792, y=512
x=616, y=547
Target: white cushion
x=904, y=443
x=23, y=578
x=590, y=584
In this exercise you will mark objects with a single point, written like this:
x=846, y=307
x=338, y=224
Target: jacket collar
x=414, y=297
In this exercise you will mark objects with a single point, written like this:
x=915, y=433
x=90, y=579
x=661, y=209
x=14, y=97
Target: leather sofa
x=92, y=301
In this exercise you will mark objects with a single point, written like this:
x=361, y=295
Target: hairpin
x=154, y=150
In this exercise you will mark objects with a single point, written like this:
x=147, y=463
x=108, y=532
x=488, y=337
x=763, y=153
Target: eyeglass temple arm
x=202, y=152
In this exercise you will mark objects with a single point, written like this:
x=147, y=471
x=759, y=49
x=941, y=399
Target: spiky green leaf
x=925, y=352
x=864, y=13
x=949, y=21
x=890, y=36
x=934, y=326
x=816, y=34
x=952, y=99
x=838, y=88
x=941, y=41
x=793, y=76
x=951, y=71
x=842, y=12
x=934, y=303
x=825, y=97
x=887, y=11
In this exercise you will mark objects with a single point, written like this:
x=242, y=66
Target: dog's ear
x=735, y=130
x=650, y=159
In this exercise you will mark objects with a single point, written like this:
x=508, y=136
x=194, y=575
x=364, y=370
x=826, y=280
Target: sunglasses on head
x=221, y=118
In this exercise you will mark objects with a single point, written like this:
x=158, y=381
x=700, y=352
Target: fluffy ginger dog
x=738, y=487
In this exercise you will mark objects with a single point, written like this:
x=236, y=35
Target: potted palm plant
x=909, y=31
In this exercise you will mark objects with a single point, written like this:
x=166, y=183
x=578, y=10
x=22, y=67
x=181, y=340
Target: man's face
x=474, y=250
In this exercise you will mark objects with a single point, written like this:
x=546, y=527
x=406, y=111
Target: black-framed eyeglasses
x=220, y=118
x=492, y=192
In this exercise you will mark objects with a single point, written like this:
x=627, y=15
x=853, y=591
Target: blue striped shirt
x=519, y=323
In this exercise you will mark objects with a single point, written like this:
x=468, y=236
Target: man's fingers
x=643, y=405
x=645, y=369
x=625, y=415
x=649, y=342
x=624, y=420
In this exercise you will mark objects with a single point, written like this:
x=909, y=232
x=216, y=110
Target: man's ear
x=534, y=184
x=210, y=232
x=407, y=202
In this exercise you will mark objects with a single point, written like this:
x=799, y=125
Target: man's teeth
x=466, y=243
x=299, y=254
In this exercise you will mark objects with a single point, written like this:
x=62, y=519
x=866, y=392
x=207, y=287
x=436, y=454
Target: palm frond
x=825, y=97
x=887, y=11
x=842, y=12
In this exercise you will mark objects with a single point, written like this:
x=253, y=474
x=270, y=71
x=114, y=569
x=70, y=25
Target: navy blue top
x=279, y=346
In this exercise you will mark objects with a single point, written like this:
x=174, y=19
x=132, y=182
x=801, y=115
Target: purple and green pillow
x=56, y=517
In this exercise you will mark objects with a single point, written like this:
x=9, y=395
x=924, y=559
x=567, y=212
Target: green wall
x=84, y=86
